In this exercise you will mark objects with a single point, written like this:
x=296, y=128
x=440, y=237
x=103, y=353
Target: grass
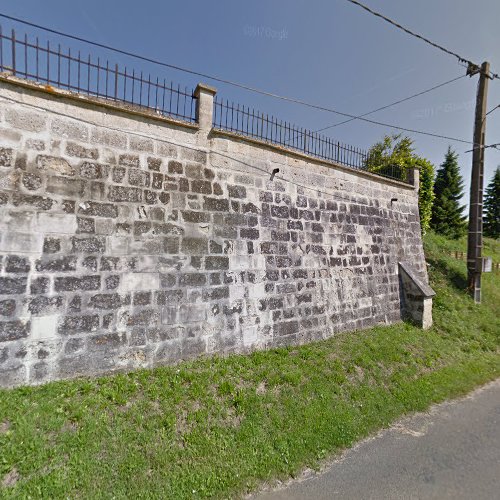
x=220, y=427
x=491, y=247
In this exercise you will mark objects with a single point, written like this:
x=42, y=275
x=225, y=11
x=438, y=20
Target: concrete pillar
x=414, y=177
x=205, y=106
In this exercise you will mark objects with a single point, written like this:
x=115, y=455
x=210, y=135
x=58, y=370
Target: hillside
x=221, y=426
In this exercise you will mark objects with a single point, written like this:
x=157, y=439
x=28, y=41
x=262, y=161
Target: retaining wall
x=129, y=240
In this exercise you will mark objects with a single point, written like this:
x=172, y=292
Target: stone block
x=39, y=285
x=91, y=244
x=13, y=330
x=94, y=209
x=10, y=377
x=215, y=293
x=10, y=136
x=54, y=164
x=133, y=282
x=201, y=186
x=79, y=151
x=70, y=129
x=194, y=246
x=168, y=352
x=141, y=144
x=7, y=307
x=63, y=186
x=138, y=177
x=122, y=193
x=6, y=157
x=128, y=160
x=56, y=223
x=109, y=138
x=194, y=155
x=56, y=264
x=25, y=119
x=44, y=327
x=216, y=263
x=21, y=242
x=237, y=191
x=74, y=283
x=192, y=279
x=175, y=167
x=215, y=205
x=154, y=163
x=85, y=225
x=92, y=170
x=107, y=301
x=31, y=181
x=32, y=201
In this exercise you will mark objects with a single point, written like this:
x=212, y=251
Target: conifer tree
x=447, y=213
x=491, y=213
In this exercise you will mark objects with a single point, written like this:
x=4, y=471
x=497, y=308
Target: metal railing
x=251, y=123
x=49, y=64
x=248, y=122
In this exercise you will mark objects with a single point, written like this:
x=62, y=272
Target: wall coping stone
x=216, y=132
x=424, y=289
x=203, y=87
x=98, y=101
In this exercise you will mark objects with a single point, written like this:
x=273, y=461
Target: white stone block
x=133, y=282
x=237, y=292
x=250, y=336
x=21, y=243
x=56, y=223
x=44, y=327
x=118, y=245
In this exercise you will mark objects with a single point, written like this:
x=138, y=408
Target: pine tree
x=447, y=213
x=491, y=214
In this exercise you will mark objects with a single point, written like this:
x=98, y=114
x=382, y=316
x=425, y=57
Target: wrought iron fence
x=248, y=122
x=96, y=77
x=27, y=58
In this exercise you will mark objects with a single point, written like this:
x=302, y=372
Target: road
x=451, y=451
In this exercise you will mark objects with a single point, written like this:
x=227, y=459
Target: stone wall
x=129, y=240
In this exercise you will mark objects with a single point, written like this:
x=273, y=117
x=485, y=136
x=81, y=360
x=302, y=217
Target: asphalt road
x=452, y=451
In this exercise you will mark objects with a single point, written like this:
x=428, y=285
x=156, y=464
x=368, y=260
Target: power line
x=472, y=66
x=393, y=103
x=234, y=84
x=492, y=109
x=494, y=146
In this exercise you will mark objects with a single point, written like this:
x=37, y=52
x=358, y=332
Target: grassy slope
x=218, y=427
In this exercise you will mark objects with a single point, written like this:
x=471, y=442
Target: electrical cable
x=393, y=103
x=492, y=109
x=235, y=84
x=420, y=37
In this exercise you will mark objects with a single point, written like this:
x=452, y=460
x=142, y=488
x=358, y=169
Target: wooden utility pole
x=475, y=238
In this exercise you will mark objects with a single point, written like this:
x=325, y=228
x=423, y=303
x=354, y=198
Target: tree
x=447, y=213
x=395, y=156
x=491, y=211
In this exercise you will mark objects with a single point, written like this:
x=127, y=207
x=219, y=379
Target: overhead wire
x=421, y=37
x=393, y=103
x=234, y=84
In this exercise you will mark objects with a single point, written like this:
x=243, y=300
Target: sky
x=326, y=52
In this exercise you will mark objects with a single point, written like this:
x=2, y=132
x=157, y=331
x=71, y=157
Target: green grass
x=219, y=427
x=491, y=247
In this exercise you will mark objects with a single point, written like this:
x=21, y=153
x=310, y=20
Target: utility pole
x=475, y=237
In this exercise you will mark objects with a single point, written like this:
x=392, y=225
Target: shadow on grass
x=456, y=278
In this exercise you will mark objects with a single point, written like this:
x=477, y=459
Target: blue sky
x=327, y=52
